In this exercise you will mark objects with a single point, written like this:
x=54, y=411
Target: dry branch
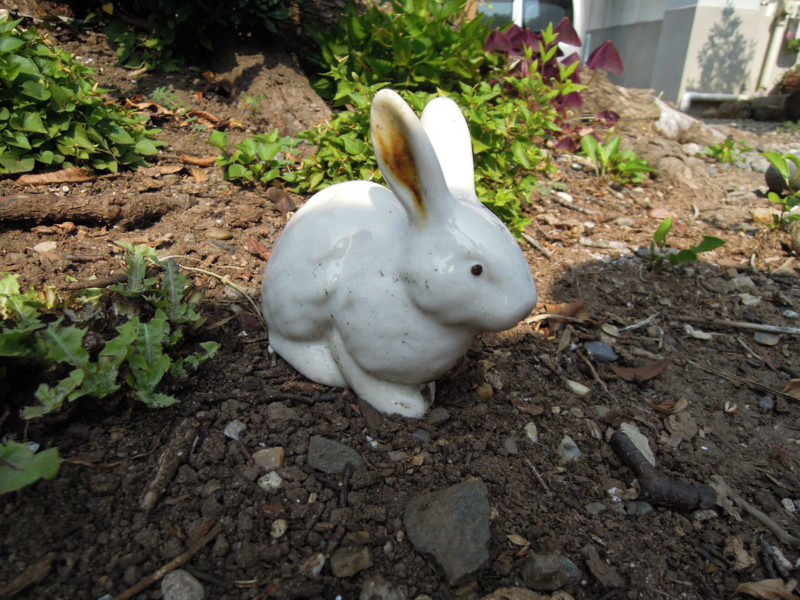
x=127, y=211
x=663, y=490
x=193, y=547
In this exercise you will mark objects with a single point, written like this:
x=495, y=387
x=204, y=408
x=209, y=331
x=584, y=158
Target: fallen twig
x=663, y=490
x=779, y=531
x=205, y=535
x=35, y=572
x=169, y=460
x=537, y=245
x=539, y=478
x=742, y=380
x=746, y=325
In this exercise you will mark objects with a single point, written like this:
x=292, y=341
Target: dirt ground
x=85, y=534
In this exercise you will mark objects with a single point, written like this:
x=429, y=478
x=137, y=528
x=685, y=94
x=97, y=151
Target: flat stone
x=568, y=450
x=377, y=588
x=269, y=459
x=453, y=526
x=549, y=572
x=278, y=411
x=601, y=352
x=437, y=416
x=181, y=585
x=604, y=573
x=330, y=456
x=235, y=430
x=346, y=562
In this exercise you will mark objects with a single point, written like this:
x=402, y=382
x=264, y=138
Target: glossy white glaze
x=380, y=291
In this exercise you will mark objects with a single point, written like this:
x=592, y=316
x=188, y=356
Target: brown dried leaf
x=670, y=408
x=203, y=116
x=517, y=540
x=68, y=175
x=199, y=175
x=200, y=161
x=281, y=200
x=159, y=170
x=640, y=374
x=257, y=248
x=766, y=589
x=792, y=388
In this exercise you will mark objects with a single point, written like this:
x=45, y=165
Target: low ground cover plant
x=660, y=251
x=623, y=166
x=53, y=115
x=788, y=166
x=162, y=33
x=67, y=342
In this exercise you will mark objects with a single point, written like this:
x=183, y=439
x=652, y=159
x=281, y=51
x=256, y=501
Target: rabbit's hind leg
x=388, y=397
x=312, y=358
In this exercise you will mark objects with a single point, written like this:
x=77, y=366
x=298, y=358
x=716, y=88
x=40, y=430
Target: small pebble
x=346, y=562
x=766, y=339
x=766, y=403
x=749, y=299
x=565, y=196
x=278, y=529
x=181, y=585
x=568, y=450
x=791, y=314
x=531, y=432
x=639, y=508
x=485, y=390
x=45, y=246
x=269, y=459
x=578, y=388
x=437, y=416
x=601, y=352
x=217, y=233
x=595, y=508
x=510, y=444
x=788, y=505
x=312, y=566
x=742, y=283
x=270, y=482
x=422, y=435
x=235, y=430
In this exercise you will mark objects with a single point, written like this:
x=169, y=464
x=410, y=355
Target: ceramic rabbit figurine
x=382, y=291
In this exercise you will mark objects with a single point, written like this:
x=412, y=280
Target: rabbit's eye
x=476, y=270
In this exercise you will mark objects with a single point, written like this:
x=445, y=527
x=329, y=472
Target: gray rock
x=377, y=588
x=453, y=526
x=422, y=435
x=568, y=450
x=278, y=411
x=595, y=508
x=510, y=444
x=181, y=585
x=346, y=562
x=330, y=456
x=777, y=184
x=437, y=416
x=601, y=352
x=638, y=508
x=548, y=572
x=766, y=403
x=234, y=430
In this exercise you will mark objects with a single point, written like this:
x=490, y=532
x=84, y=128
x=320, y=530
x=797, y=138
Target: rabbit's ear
x=407, y=159
x=447, y=130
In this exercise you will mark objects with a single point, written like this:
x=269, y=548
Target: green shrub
x=52, y=114
x=412, y=44
x=167, y=31
x=142, y=352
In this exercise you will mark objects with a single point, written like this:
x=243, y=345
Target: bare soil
x=85, y=534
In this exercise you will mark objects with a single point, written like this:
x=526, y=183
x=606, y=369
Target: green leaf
x=20, y=466
x=218, y=139
x=661, y=232
x=708, y=243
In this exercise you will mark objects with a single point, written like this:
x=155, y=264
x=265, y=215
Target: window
x=533, y=14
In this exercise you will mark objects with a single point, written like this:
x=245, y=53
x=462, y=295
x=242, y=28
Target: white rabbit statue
x=383, y=291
